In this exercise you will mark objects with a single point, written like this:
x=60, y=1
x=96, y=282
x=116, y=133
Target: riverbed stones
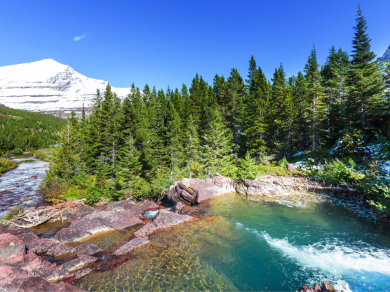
x=131, y=245
x=162, y=219
x=86, y=249
x=79, y=213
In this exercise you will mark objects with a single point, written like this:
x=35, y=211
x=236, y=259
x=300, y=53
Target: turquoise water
x=255, y=246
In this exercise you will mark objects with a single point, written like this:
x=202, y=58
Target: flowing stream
x=20, y=183
x=258, y=246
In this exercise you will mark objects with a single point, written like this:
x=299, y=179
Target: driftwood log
x=34, y=217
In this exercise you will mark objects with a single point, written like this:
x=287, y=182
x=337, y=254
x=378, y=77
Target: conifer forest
x=334, y=113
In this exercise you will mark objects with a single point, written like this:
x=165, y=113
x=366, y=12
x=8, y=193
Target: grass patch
x=44, y=154
x=6, y=164
x=13, y=212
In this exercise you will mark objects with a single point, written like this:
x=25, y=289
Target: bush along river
x=272, y=237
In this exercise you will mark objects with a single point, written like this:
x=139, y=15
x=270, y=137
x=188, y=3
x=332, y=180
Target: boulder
x=11, y=246
x=178, y=207
x=205, y=188
x=162, y=219
x=131, y=245
x=78, y=263
x=86, y=249
x=326, y=286
x=149, y=206
x=59, y=249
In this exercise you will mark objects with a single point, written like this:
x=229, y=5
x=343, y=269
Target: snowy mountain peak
x=47, y=85
x=386, y=56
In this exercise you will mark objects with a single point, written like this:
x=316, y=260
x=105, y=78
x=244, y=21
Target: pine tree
x=128, y=165
x=255, y=124
x=364, y=80
x=217, y=149
x=313, y=78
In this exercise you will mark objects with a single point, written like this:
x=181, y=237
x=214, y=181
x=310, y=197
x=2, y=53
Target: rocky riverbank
x=51, y=261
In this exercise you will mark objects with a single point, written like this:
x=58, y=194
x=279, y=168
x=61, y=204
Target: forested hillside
x=26, y=131
x=238, y=126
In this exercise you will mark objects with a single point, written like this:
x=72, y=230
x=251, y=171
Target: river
x=20, y=183
x=256, y=246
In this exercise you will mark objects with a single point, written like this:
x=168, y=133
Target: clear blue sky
x=167, y=42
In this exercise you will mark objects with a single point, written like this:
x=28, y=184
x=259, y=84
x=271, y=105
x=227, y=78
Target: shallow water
x=258, y=246
x=21, y=182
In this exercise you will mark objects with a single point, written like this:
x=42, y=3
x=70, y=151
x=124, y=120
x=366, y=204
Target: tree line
x=24, y=131
x=153, y=137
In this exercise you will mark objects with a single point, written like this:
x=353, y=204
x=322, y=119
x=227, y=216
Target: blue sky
x=167, y=42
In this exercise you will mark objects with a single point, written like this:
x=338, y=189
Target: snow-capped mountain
x=48, y=86
x=386, y=56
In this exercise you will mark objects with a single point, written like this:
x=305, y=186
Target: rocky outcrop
x=59, y=249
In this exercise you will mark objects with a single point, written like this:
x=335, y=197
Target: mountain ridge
x=49, y=86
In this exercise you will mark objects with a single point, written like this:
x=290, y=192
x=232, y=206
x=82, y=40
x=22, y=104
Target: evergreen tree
x=217, y=149
x=313, y=78
x=364, y=80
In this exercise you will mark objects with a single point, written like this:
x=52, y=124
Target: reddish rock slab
x=81, y=212
x=86, y=249
x=62, y=272
x=9, y=275
x=149, y=206
x=82, y=273
x=11, y=246
x=162, y=219
x=122, y=220
x=81, y=229
x=120, y=206
x=131, y=245
x=59, y=249
x=78, y=263
x=37, y=284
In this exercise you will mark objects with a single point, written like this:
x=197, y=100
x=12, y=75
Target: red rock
x=36, y=284
x=149, y=205
x=86, y=249
x=81, y=229
x=122, y=220
x=78, y=263
x=326, y=286
x=81, y=273
x=10, y=274
x=120, y=206
x=79, y=213
x=131, y=245
x=162, y=219
x=146, y=220
x=11, y=246
x=59, y=249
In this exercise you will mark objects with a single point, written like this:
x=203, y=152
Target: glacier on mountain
x=49, y=86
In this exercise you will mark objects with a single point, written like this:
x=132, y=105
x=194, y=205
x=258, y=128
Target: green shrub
x=272, y=170
x=44, y=154
x=336, y=172
x=379, y=198
x=283, y=162
x=247, y=167
x=74, y=193
x=18, y=151
x=94, y=194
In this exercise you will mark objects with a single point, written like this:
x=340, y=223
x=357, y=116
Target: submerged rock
x=162, y=219
x=131, y=245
